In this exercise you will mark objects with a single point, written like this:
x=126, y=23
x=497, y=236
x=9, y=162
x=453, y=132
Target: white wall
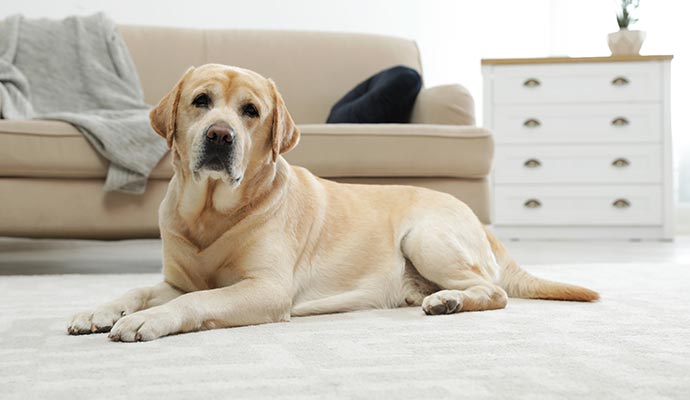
x=457, y=34
x=396, y=17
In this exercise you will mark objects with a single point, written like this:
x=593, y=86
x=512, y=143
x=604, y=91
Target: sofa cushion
x=56, y=149
x=386, y=97
x=394, y=150
x=53, y=149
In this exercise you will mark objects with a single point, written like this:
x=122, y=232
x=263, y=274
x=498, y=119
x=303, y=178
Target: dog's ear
x=163, y=116
x=285, y=133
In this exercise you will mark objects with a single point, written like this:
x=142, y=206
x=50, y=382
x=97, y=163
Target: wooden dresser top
x=553, y=60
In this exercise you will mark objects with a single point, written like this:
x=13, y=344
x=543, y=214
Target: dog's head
x=224, y=122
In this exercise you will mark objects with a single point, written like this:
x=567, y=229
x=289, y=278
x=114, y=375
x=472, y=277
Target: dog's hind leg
x=104, y=317
x=459, y=261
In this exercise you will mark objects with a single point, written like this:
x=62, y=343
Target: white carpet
x=633, y=344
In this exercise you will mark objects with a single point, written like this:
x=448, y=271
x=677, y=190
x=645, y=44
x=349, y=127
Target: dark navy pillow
x=387, y=97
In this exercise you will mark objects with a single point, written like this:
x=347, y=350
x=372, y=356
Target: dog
x=249, y=239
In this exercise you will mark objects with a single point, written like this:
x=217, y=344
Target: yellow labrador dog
x=249, y=239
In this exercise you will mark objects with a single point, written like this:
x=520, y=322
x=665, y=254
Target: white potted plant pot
x=626, y=42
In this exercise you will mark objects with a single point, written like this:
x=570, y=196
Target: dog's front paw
x=145, y=325
x=97, y=321
x=443, y=302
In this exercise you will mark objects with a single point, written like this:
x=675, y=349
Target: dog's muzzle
x=218, y=147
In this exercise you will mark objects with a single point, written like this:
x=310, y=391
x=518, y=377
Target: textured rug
x=633, y=344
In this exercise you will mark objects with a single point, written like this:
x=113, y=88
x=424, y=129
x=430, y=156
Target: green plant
x=624, y=15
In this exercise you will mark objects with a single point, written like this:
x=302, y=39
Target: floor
x=48, y=256
x=632, y=344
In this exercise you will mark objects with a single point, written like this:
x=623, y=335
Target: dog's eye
x=250, y=110
x=202, y=101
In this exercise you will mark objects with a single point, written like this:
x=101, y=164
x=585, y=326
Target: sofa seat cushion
x=52, y=149
x=394, y=150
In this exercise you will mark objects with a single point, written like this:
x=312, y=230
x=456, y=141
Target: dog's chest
x=192, y=269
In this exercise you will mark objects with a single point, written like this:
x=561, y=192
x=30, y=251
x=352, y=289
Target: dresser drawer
x=577, y=205
x=578, y=164
x=609, y=123
x=571, y=83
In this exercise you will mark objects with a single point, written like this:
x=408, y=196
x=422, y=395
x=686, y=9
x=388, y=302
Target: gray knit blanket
x=79, y=70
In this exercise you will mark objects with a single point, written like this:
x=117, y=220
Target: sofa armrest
x=444, y=105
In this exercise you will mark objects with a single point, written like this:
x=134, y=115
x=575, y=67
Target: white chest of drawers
x=583, y=147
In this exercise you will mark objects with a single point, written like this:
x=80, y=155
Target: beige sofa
x=51, y=179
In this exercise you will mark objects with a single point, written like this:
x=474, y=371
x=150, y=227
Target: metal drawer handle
x=620, y=163
x=532, y=203
x=620, y=121
x=531, y=82
x=619, y=81
x=532, y=163
x=532, y=123
x=621, y=203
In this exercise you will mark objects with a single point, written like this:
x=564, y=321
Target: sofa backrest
x=312, y=69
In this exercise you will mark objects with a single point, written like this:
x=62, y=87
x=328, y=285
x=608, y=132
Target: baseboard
x=682, y=222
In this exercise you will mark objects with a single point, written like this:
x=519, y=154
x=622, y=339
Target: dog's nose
x=220, y=133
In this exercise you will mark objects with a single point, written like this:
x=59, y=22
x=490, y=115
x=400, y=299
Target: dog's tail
x=519, y=283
